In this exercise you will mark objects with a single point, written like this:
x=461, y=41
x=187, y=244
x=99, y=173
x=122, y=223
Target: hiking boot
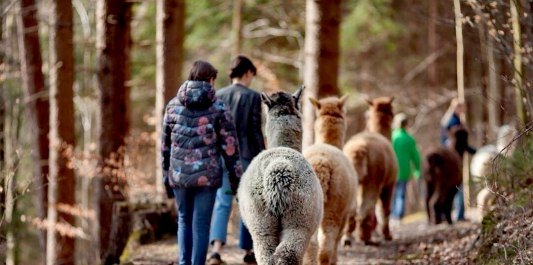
x=249, y=258
x=214, y=259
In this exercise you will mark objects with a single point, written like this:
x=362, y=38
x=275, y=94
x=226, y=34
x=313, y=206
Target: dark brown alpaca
x=443, y=176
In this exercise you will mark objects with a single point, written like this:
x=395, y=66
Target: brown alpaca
x=443, y=176
x=374, y=160
x=336, y=175
x=380, y=116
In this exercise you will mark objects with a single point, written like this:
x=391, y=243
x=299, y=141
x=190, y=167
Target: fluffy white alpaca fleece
x=280, y=201
x=482, y=166
x=280, y=198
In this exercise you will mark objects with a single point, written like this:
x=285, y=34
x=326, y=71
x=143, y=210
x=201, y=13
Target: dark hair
x=202, y=71
x=240, y=65
x=404, y=122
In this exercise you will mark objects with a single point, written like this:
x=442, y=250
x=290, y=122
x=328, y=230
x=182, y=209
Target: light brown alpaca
x=336, y=175
x=380, y=116
x=374, y=160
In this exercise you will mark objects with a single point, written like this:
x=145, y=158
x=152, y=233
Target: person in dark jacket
x=245, y=105
x=198, y=131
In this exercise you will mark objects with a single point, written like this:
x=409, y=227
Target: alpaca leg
x=349, y=227
x=310, y=257
x=338, y=239
x=328, y=236
x=350, y=221
x=294, y=242
x=435, y=208
x=366, y=217
x=265, y=235
x=484, y=200
x=447, y=206
x=385, y=198
x=264, y=248
x=429, y=194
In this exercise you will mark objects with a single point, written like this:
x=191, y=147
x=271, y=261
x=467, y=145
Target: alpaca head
x=283, y=120
x=380, y=115
x=458, y=139
x=330, y=123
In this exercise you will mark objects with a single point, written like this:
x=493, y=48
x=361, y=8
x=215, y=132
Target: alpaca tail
x=278, y=180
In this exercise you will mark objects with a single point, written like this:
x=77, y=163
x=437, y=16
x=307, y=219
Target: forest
x=83, y=86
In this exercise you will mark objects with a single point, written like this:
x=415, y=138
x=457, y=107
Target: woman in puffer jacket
x=198, y=130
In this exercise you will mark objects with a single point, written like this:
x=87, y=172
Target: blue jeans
x=195, y=207
x=459, y=203
x=398, y=205
x=222, y=212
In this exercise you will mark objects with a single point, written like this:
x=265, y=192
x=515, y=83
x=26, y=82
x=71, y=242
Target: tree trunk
x=517, y=64
x=61, y=191
x=113, y=45
x=2, y=122
x=11, y=133
x=9, y=187
x=460, y=50
x=321, y=57
x=486, y=132
x=433, y=44
x=461, y=88
x=87, y=108
x=493, y=94
x=36, y=99
x=236, y=26
x=170, y=32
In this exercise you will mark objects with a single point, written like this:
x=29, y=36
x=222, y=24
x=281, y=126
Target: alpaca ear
x=391, y=99
x=266, y=99
x=369, y=102
x=297, y=96
x=342, y=101
x=315, y=102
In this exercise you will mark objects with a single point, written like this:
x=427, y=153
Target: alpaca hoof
x=387, y=237
x=371, y=243
x=347, y=241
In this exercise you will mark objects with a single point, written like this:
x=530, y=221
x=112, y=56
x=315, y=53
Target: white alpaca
x=280, y=198
x=336, y=175
x=482, y=166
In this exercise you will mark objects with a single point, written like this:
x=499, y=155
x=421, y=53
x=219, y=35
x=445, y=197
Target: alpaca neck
x=332, y=136
x=284, y=131
x=335, y=141
x=381, y=125
x=280, y=140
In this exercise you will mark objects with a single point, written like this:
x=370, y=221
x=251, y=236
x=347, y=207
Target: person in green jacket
x=408, y=157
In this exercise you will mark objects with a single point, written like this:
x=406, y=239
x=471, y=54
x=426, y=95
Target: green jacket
x=407, y=154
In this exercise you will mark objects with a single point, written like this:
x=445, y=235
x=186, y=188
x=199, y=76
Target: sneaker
x=249, y=258
x=214, y=259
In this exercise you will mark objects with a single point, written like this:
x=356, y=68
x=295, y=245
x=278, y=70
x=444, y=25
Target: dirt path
x=415, y=243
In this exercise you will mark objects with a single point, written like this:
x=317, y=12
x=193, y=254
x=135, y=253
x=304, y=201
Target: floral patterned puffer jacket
x=197, y=130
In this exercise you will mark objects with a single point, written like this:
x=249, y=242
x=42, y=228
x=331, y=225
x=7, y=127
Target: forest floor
x=415, y=242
